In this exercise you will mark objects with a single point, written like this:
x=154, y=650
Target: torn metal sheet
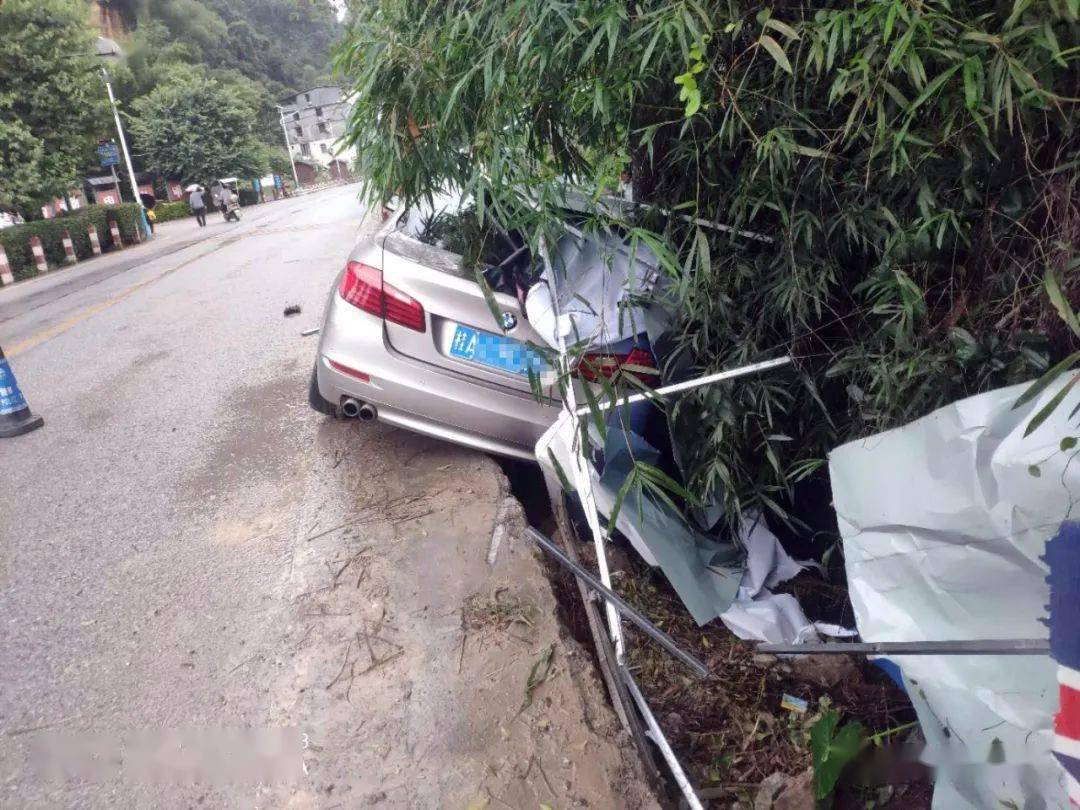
x=662, y=538
x=591, y=292
x=944, y=522
x=555, y=453
x=728, y=587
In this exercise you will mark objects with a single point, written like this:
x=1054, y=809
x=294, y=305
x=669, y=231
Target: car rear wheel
x=315, y=399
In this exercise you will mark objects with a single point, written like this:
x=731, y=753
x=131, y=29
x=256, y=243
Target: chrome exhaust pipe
x=351, y=408
x=367, y=413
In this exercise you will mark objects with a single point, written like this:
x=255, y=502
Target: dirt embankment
x=431, y=661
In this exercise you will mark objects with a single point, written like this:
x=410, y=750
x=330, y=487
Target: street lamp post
x=108, y=50
x=288, y=146
x=124, y=148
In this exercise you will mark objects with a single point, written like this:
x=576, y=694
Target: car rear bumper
x=419, y=397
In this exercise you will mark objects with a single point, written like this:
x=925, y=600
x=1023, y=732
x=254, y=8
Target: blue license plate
x=496, y=351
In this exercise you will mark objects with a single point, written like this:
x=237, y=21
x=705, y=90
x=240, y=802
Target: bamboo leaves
x=932, y=88
x=689, y=93
x=1055, y=401
x=974, y=82
x=1059, y=301
x=890, y=21
x=915, y=168
x=776, y=51
x=1068, y=315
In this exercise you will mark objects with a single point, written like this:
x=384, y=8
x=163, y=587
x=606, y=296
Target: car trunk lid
x=462, y=335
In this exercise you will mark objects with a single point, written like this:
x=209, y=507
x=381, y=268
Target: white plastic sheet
x=943, y=526
x=758, y=614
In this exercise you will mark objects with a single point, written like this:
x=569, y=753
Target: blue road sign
x=109, y=154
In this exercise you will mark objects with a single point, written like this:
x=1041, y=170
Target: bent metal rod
x=616, y=601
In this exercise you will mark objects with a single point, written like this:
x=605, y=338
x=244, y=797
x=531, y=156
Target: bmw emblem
x=508, y=321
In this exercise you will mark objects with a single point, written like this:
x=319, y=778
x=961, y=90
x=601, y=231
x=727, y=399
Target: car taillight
x=363, y=287
x=595, y=365
x=402, y=309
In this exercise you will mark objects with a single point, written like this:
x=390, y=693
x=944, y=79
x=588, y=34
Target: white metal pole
x=288, y=146
x=127, y=156
x=657, y=735
x=580, y=470
x=688, y=384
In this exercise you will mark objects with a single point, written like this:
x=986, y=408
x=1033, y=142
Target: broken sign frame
x=583, y=485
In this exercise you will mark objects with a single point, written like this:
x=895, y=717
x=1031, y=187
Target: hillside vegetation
x=283, y=45
x=197, y=84
x=201, y=78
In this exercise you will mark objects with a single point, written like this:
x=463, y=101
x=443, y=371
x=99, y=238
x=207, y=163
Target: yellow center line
x=83, y=314
x=101, y=306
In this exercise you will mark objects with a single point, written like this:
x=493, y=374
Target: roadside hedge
x=16, y=240
x=167, y=212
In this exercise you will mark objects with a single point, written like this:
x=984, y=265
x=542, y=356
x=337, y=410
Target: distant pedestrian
x=198, y=205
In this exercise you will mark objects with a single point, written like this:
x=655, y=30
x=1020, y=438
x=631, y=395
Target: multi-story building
x=315, y=121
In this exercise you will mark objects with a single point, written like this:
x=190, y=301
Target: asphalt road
x=188, y=551
x=173, y=397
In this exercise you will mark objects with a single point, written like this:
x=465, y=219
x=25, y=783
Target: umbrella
x=148, y=200
x=193, y=187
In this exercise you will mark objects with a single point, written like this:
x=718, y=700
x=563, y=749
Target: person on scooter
x=230, y=204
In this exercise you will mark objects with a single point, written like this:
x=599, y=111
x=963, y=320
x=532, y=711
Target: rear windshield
x=450, y=222
x=422, y=220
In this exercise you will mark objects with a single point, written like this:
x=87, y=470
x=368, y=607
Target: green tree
x=279, y=162
x=52, y=103
x=259, y=98
x=21, y=157
x=913, y=167
x=196, y=129
x=287, y=40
